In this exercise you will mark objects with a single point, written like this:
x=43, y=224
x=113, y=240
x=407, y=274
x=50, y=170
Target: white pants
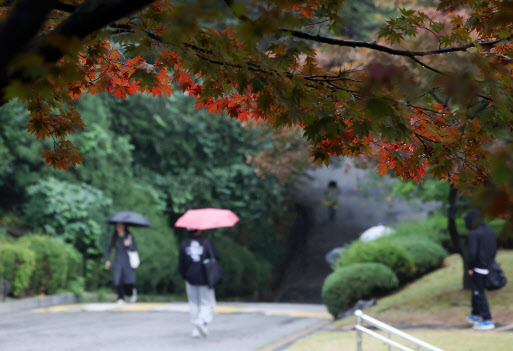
x=202, y=301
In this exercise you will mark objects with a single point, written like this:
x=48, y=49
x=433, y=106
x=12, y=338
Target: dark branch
x=387, y=49
x=21, y=27
x=62, y=6
x=7, y=3
x=424, y=65
x=86, y=19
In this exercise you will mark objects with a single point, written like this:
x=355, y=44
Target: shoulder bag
x=133, y=257
x=496, y=278
x=213, y=270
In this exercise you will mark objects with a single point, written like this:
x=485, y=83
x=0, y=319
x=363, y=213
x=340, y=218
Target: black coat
x=482, y=246
x=123, y=273
x=190, y=260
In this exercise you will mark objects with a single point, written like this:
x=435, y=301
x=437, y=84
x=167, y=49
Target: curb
x=36, y=302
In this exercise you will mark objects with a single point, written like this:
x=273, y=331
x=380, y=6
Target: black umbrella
x=129, y=218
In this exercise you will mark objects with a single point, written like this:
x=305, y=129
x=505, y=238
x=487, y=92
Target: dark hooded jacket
x=482, y=245
x=193, y=251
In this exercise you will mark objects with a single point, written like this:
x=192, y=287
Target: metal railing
x=360, y=316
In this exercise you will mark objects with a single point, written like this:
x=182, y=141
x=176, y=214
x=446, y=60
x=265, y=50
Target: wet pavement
x=155, y=327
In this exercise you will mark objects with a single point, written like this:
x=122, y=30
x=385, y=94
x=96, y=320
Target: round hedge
x=391, y=254
x=245, y=274
x=427, y=255
x=57, y=263
x=17, y=265
x=346, y=285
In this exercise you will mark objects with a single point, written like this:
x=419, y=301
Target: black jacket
x=482, y=245
x=190, y=260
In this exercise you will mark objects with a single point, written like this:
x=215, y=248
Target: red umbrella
x=207, y=218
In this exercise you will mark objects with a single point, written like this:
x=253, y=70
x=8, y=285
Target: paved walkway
x=157, y=326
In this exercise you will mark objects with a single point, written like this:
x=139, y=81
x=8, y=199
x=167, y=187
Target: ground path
x=157, y=326
x=363, y=203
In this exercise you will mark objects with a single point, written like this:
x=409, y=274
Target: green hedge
x=17, y=263
x=96, y=275
x=427, y=255
x=433, y=228
x=346, y=285
x=391, y=254
x=244, y=273
x=75, y=263
x=57, y=263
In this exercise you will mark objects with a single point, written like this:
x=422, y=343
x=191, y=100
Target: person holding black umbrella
x=124, y=275
x=126, y=250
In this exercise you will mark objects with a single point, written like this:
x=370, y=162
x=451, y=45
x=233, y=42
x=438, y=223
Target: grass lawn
x=448, y=340
x=436, y=299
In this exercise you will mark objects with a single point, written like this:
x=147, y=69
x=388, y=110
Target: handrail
x=390, y=330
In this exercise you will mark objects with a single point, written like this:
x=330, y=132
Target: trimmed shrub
x=54, y=258
x=18, y=264
x=51, y=264
x=434, y=228
x=75, y=263
x=96, y=275
x=391, y=254
x=346, y=285
x=427, y=255
x=244, y=273
x=2, y=269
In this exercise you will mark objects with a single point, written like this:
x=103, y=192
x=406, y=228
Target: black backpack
x=496, y=278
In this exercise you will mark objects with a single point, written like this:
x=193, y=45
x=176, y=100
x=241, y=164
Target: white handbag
x=133, y=257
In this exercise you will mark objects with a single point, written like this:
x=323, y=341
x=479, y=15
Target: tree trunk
x=458, y=243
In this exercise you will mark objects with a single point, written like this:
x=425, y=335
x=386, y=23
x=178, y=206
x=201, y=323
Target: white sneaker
x=195, y=333
x=484, y=325
x=133, y=298
x=202, y=327
x=120, y=302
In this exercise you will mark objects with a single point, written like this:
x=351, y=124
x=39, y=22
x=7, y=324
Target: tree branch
x=387, y=49
x=424, y=65
x=62, y=6
x=85, y=20
x=21, y=26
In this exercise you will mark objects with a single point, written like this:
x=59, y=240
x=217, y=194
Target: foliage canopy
x=433, y=95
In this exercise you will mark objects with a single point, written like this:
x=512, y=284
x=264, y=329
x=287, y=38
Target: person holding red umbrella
x=197, y=263
x=202, y=300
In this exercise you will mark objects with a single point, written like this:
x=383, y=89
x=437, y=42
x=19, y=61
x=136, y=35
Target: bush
x=74, y=212
x=244, y=273
x=77, y=287
x=18, y=264
x=434, y=228
x=96, y=275
x=57, y=263
x=75, y=263
x=382, y=251
x=2, y=269
x=427, y=255
x=346, y=285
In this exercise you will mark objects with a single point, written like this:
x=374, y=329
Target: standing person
x=482, y=248
x=202, y=299
x=124, y=275
x=331, y=195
